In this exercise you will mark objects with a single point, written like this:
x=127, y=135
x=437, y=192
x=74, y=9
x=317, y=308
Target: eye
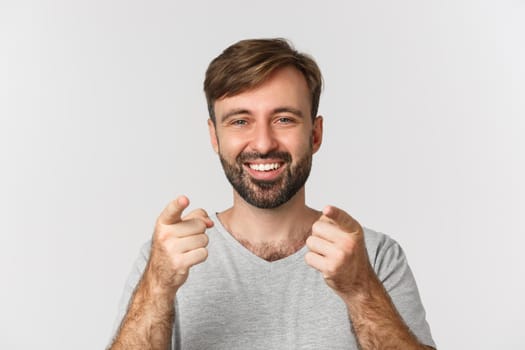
x=284, y=120
x=239, y=122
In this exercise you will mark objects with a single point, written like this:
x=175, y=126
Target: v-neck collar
x=283, y=263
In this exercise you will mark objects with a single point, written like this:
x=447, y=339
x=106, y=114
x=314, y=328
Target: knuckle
x=308, y=257
x=347, y=244
x=196, y=214
x=201, y=212
x=339, y=256
x=331, y=268
x=178, y=262
x=317, y=226
x=161, y=234
x=310, y=241
x=204, y=253
x=196, y=224
x=201, y=225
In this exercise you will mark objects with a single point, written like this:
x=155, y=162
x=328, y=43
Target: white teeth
x=265, y=167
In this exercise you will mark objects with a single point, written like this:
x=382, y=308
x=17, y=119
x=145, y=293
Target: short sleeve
x=130, y=285
x=391, y=267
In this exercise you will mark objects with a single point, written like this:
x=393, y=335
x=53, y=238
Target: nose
x=263, y=140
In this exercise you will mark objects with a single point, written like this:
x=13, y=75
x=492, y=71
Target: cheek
x=230, y=147
x=297, y=144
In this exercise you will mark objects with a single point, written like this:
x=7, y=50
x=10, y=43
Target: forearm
x=149, y=320
x=178, y=244
x=376, y=322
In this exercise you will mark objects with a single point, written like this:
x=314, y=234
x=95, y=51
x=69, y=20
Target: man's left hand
x=337, y=250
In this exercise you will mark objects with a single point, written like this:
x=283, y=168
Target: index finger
x=172, y=213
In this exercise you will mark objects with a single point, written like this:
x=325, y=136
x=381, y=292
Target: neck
x=289, y=224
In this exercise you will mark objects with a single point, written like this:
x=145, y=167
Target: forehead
x=286, y=87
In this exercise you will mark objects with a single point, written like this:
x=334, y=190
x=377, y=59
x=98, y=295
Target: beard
x=266, y=194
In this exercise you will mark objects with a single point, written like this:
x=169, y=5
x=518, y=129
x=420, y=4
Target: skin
x=263, y=130
x=178, y=243
x=272, y=116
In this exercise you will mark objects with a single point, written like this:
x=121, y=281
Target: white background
x=103, y=121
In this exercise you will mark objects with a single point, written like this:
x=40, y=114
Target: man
x=269, y=272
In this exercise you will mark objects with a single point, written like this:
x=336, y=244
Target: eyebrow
x=234, y=112
x=239, y=111
x=291, y=110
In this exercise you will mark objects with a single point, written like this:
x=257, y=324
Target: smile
x=264, y=167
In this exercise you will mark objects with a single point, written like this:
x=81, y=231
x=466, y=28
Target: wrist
x=153, y=292
x=363, y=289
x=155, y=288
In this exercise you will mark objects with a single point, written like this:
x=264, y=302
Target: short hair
x=248, y=63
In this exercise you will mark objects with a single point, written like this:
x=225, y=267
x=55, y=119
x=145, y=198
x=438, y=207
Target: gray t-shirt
x=236, y=300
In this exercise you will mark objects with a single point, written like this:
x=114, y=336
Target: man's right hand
x=179, y=242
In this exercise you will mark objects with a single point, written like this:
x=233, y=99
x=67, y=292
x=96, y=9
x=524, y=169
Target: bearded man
x=269, y=272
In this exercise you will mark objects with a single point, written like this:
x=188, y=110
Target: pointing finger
x=172, y=213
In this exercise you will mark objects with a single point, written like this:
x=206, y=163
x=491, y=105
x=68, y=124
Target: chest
x=234, y=307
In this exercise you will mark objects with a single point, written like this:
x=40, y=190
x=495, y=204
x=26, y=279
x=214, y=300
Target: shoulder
x=383, y=251
x=378, y=242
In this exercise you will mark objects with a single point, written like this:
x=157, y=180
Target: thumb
x=173, y=212
x=340, y=217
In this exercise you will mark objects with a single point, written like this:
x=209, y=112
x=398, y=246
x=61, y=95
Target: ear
x=317, y=133
x=213, y=136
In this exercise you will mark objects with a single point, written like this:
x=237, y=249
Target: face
x=265, y=139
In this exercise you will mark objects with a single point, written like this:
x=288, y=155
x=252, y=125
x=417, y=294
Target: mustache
x=251, y=156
